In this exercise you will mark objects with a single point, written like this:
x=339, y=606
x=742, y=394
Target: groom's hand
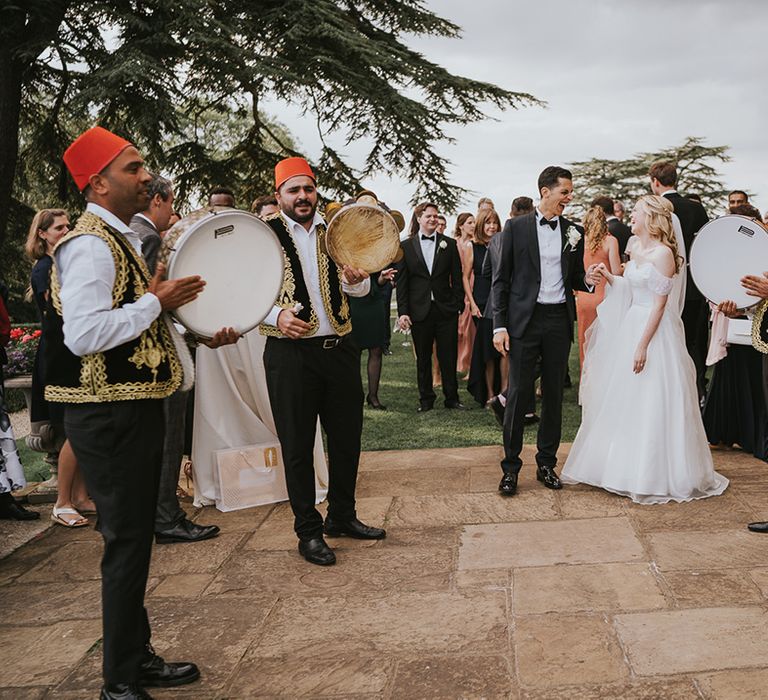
x=501, y=342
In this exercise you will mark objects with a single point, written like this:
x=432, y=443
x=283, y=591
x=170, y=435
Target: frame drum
x=724, y=251
x=364, y=236
x=241, y=261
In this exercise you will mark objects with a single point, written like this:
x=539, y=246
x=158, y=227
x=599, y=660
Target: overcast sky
x=619, y=77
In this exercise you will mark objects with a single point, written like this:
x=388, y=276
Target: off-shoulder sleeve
x=658, y=283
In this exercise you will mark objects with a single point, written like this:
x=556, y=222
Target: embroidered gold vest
x=146, y=367
x=294, y=287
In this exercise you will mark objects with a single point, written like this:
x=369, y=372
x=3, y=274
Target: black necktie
x=546, y=222
x=427, y=238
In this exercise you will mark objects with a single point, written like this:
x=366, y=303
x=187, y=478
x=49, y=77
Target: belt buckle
x=330, y=343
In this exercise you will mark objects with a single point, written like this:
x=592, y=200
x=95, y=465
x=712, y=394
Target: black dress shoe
x=186, y=531
x=14, y=511
x=547, y=476
x=758, y=527
x=456, y=406
x=498, y=410
x=123, y=691
x=508, y=484
x=423, y=408
x=158, y=673
x=316, y=551
x=531, y=419
x=353, y=528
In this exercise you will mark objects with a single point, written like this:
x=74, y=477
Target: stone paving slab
x=546, y=543
x=574, y=594
x=590, y=587
x=687, y=641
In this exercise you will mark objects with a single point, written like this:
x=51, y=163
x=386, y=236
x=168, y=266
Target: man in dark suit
x=171, y=522
x=540, y=265
x=430, y=297
x=618, y=229
x=692, y=217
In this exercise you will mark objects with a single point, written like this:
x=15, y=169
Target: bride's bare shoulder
x=663, y=259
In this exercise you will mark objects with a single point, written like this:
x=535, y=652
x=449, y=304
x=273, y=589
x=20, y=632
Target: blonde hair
x=658, y=212
x=35, y=247
x=595, y=228
x=482, y=218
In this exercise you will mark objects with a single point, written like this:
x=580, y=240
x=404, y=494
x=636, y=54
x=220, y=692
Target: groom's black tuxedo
x=536, y=330
x=433, y=301
x=517, y=278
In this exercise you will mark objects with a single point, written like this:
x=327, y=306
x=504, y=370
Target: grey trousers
x=169, y=511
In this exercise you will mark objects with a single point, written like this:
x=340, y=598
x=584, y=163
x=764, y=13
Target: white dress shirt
x=428, y=246
x=306, y=245
x=87, y=274
x=552, y=288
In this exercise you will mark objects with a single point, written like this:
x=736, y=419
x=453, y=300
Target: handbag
x=739, y=331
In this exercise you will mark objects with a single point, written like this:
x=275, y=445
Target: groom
x=540, y=265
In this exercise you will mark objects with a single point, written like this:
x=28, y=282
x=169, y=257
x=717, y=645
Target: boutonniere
x=443, y=245
x=572, y=238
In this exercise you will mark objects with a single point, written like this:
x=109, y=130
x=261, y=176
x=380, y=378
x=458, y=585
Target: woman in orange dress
x=463, y=233
x=599, y=247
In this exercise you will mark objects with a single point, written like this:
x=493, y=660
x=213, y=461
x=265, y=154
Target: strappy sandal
x=58, y=512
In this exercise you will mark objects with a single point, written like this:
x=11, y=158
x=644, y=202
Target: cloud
x=618, y=77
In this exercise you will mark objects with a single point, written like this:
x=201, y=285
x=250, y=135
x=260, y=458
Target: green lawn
x=401, y=428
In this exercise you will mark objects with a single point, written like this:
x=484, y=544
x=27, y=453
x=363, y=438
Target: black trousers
x=305, y=382
x=442, y=330
x=169, y=511
x=119, y=446
x=696, y=325
x=548, y=337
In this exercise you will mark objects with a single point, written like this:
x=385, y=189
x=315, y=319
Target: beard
x=301, y=218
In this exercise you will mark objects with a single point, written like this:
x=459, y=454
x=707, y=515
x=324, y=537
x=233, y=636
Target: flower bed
x=21, y=351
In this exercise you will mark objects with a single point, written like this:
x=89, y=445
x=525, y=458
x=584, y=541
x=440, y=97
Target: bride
x=641, y=433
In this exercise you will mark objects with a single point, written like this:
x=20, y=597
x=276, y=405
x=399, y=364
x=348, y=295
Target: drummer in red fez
x=313, y=366
x=111, y=360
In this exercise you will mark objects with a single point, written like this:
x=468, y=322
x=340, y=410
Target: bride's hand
x=602, y=269
x=640, y=357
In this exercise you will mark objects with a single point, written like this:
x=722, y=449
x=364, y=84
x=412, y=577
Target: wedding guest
x=489, y=371
x=619, y=210
x=663, y=176
x=520, y=206
x=221, y=197
x=264, y=206
x=441, y=224
x=11, y=472
x=430, y=297
x=72, y=501
x=737, y=198
x=734, y=409
x=484, y=203
x=171, y=522
x=463, y=234
x=369, y=332
x=600, y=246
x=618, y=229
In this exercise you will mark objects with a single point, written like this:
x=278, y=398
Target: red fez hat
x=91, y=152
x=291, y=167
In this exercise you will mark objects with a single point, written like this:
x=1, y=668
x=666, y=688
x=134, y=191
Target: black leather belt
x=326, y=342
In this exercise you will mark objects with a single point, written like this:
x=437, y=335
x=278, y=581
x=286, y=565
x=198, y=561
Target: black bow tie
x=547, y=222
x=427, y=238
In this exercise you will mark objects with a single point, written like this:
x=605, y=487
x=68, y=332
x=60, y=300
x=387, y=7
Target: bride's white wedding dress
x=641, y=435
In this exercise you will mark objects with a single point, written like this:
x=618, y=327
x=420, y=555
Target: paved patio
x=570, y=594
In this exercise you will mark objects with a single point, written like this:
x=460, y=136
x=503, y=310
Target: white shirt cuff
x=357, y=290
x=498, y=330
x=271, y=319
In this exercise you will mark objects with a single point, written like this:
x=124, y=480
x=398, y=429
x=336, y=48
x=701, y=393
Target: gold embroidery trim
x=757, y=321
x=325, y=289
x=154, y=343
